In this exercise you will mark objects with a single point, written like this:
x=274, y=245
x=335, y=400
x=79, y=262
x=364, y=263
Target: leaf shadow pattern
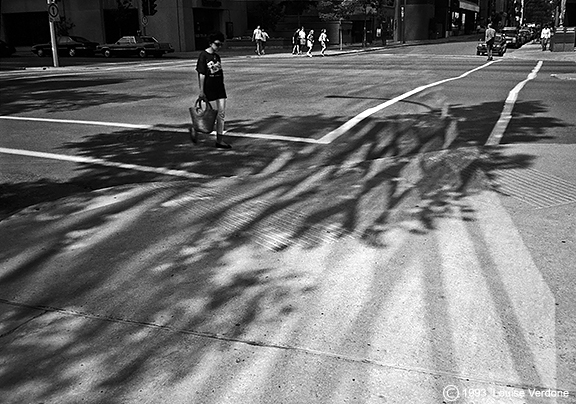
x=176, y=260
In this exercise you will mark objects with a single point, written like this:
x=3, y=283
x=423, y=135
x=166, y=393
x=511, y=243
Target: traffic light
x=152, y=7
x=454, y=5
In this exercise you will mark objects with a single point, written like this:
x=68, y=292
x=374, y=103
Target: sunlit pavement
x=400, y=279
x=382, y=269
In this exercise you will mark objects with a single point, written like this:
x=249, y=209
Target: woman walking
x=211, y=82
x=310, y=42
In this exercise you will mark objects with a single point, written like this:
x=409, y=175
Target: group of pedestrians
x=301, y=41
x=260, y=36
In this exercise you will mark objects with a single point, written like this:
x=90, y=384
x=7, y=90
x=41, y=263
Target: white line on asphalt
x=146, y=66
x=273, y=137
x=48, y=71
x=91, y=160
x=506, y=115
x=78, y=122
x=163, y=129
x=330, y=137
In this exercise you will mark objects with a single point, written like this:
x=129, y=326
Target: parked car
x=136, y=45
x=68, y=45
x=6, y=49
x=513, y=38
x=499, y=48
x=525, y=35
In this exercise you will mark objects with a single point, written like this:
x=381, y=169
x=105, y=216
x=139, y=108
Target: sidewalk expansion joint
x=13, y=330
x=307, y=351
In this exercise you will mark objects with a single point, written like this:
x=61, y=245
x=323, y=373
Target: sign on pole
x=53, y=13
x=53, y=16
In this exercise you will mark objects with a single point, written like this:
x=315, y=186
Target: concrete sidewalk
x=345, y=284
x=533, y=51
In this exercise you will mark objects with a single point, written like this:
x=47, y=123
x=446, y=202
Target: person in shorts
x=211, y=83
x=296, y=42
x=310, y=42
x=302, y=38
x=323, y=39
x=257, y=37
x=265, y=37
x=490, y=37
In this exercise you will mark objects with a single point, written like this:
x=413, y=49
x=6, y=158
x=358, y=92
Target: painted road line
x=163, y=129
x=78, y=122
x=48, y=71
x=336, y=133
x=91, y=160
x=506, y=115
x=273, y=137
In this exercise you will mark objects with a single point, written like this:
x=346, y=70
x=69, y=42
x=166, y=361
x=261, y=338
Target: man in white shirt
x=302, y=39
x=257, y=37
x=545, y=35
x=490, y=36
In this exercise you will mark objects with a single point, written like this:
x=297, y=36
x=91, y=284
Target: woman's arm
x=201, y=80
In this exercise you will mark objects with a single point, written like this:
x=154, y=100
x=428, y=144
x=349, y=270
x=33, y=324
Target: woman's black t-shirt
x=210, y=65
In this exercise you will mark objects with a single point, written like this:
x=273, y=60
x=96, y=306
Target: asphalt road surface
x=390, y=226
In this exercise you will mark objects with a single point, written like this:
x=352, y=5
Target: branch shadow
x=179, y=256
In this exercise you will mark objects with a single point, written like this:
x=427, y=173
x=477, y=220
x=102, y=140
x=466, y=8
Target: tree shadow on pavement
x=57, y=94
x=130, y=277
x=529, y=122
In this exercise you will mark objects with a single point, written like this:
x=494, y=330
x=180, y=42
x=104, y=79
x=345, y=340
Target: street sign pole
x=53, y=16
x=143, y=19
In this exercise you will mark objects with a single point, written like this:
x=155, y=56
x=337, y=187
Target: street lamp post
x=403, y=15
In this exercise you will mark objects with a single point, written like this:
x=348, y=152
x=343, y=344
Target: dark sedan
x=136, y=45
x=498, y=49
x=68, y=45
x=513, y=38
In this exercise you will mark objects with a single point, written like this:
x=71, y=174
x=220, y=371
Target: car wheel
x=40, y=52
x=142, y=53
x=72, y=52
x=107, y=53
x=477, y=53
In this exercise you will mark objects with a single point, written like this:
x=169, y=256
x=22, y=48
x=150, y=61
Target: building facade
x=186, y=23
x=183, y=23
